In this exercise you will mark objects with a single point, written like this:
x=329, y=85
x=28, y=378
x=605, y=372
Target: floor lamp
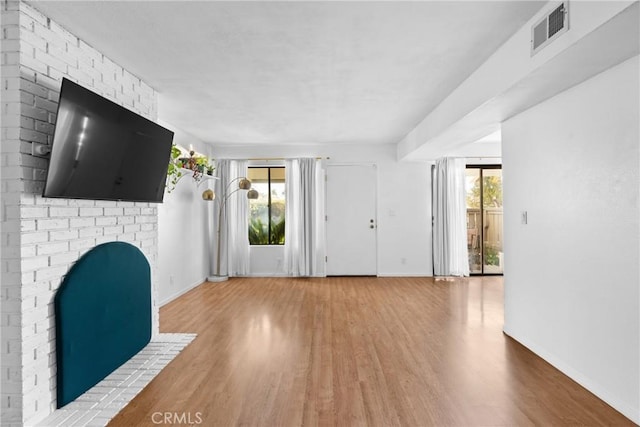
x=209, y=195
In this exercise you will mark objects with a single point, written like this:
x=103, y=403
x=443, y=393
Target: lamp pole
x=244, y=184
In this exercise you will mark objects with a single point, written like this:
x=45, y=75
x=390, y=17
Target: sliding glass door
x=484, y=219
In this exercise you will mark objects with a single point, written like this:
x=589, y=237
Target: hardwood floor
x=355, y=351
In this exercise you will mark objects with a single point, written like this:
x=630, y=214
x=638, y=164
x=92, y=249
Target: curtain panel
x=450, y=253
x=304, y=223
x=234, y=237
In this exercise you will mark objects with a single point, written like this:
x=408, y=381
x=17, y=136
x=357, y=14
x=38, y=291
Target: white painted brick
x=63, y=212
x=12, y=335
x=33, y=88
x=52, y=224
x=27, y=199
x=50, y=273
x=105, y=203
x=36, y=289
x=38, y=17
x=118, y=229
x=35, y=263
x=34, y=161
x=11, y=133
x=126, y=220
x=27, y=172
x=30, y=316
x=35, y=113
x=11, y=58
x=80, y=244
x=132, y=228
x=48, y=82
x=39, y=174
x=25, y=98
x=56, y=63
x=11, y=252
x=35, y=187
x=91, y=211
x=44, y=127
x=147, y=227
x=82, y=222
x=63, y=235
x=32, y=135
x=27, y=60
x=54, y=95
x=63, y=34
x=106, y=221
x=91, y=232
x=52, y=248
x=63, y=259
x=51, y=202
x=114, y=211
x=13, y=293
x=12, y=172
x=72, y=226
x=38, y=237
x=29, y=280
x=14, y=96
x=105, y=239
x=33, y=212
x=44, y=103
x=126, y=237
x=28, y=251
x=145, y=219
x=82, y=203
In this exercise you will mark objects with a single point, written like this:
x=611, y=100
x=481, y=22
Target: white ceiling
x=295, y=72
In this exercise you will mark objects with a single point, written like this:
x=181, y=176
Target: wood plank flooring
x=355, y=351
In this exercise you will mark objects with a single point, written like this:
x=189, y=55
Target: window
x=266, y=217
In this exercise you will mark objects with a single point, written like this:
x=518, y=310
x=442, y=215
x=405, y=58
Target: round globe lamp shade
x=208, y=195
x=244, y=184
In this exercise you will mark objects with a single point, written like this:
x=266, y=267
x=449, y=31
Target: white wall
x=601, y=34
x=184, y=221
x=571, y=274
x=404, y=204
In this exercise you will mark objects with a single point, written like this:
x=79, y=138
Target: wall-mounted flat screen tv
x=103, y=151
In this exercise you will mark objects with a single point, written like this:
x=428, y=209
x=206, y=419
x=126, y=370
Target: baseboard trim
x=601, y=392
x=181, y=292
x=405, y=275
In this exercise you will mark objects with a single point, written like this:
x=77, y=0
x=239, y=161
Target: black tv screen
x=103, y=151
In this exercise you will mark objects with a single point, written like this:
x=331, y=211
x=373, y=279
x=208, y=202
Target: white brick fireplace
x=42, y=238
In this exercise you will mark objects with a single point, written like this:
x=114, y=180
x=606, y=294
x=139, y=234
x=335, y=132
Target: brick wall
x=42, y=238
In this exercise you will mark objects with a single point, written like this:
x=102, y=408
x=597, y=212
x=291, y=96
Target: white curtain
x=450, y=254
x=304, y=218
x=234, y=236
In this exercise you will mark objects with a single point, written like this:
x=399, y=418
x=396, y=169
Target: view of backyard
x=267, y=212
x=484, y=220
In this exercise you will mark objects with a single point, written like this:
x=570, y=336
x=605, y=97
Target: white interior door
x=351, y=220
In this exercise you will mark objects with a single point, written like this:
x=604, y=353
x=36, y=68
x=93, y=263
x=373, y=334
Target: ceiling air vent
x=550, y=27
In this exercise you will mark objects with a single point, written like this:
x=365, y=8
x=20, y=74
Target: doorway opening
x=483, y=187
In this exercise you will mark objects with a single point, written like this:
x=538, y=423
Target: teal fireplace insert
x=102, y=316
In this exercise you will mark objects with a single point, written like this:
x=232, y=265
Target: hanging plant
x=174, y=170
x=197, y=165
